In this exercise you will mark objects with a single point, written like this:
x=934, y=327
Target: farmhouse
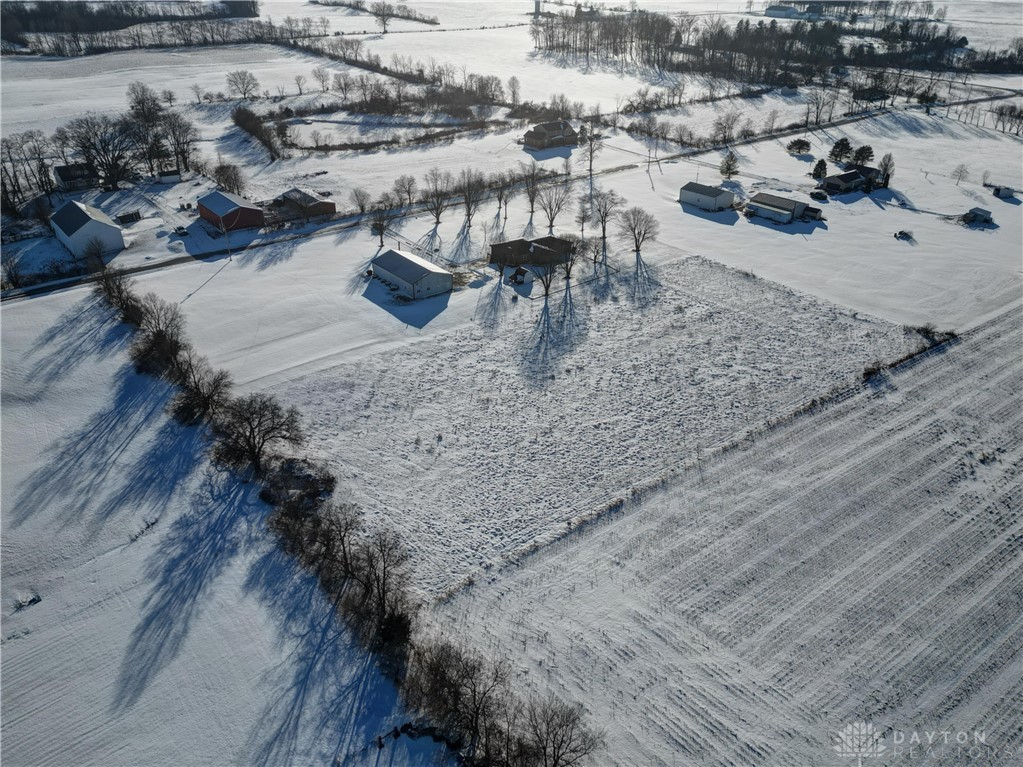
x=304, y=204
x=414, y=277
x=558, y=133
x=780, y=209
x=978, y=216
x=706, y=197
x=540, y=250
x=854, y=178
x=75, y=178
x=228, y=211
x=77, y=225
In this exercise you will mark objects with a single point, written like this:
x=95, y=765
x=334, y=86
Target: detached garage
x=414, y=277
x=77, y=225
x=228, y=212
x=705, y=197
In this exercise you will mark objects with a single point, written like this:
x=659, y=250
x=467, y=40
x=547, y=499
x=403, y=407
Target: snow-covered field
x=169, y=629
x=862, y=563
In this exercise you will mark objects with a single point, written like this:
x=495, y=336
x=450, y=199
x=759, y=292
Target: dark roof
x=300, y=197
x=706, y=191
x=222, y=203
x=558, y=126
x=407, y=266
x=73, y=172
x=774, y=201
x=538, y=250
x=846, y=177
x=73, y=215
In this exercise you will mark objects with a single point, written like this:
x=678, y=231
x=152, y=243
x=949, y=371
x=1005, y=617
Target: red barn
x=228, y=211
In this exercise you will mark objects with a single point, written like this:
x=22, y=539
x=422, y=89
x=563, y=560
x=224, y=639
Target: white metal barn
x=415, y=277
x=706, y=197
x=77, y=224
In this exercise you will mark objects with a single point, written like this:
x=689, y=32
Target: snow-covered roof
x=222, y=203
x=706, y=191
x=73, y=215
x=73, y=172
x=407, y=266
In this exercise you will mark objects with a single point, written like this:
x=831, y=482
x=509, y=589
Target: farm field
x=669, y=492
x=861, y=563
x=170, y=628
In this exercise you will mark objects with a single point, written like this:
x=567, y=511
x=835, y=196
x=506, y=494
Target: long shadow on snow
x=192, y=554
x=331, y=693
x=85, y=329
x=644, y=284
x=78, y=468
x=558, y=331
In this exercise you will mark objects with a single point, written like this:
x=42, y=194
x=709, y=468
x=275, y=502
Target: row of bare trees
x=149, y=134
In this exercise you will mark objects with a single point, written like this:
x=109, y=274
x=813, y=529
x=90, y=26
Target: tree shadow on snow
x=89, y=328
x=643, y=283
x=330, y=692
x=77, y=469
x=559, y=329
x=193, y=553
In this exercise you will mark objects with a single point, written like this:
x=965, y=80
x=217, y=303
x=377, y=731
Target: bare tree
x=960, y=173
x=514, y=89
x=606, y=204
x=248, y=427
x=203, y=390
x=343, y=84
x=639, y=226
x=546, y=272
x=182, y=136
x=104, y=142
x=384, y=12
x=161, y=337
x=168, y=96
x=887, y=168
x=198, y=91
x=242, y=83
x=552, y=199
x=436, y=194
x=532, y=175
x=322, y=75
x=381, y=216
x=360, y=198
x=471, y=187
x=591, y=149
x=405, y=188
x=300, y=82
x=558, y=733
x=229, y=177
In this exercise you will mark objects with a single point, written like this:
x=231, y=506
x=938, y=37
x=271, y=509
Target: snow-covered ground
x=862, y=563
x=170, y=629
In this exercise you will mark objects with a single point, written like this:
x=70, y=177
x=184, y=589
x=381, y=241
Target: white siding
x=385, y=275
x=773, y=215
x=110, y=236
x=705, y=202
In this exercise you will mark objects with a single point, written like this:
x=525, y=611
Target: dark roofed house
x=228, y=212
x=75, y=177
x=854, y=178
x=305, y=204
x=540, y=250
x=545, y=135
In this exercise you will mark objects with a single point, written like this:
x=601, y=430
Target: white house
x=1004, y=192
x=706, y=197
x=77, y=225
x=414, y=277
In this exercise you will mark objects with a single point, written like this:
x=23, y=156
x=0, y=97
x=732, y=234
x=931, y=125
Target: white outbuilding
x=706, y=197
x=77, y=225
x=413, y=276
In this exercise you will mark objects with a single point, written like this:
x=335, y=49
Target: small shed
x=414, y=277
x=169, y=176
x=705, y=197
x=1003, y=192
x=775, y=208
x=75, y=177
x=77, y=225
x=978, y=216
x=228, y=212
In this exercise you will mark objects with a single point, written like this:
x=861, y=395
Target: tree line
x=367, y=575
x=150, y=134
